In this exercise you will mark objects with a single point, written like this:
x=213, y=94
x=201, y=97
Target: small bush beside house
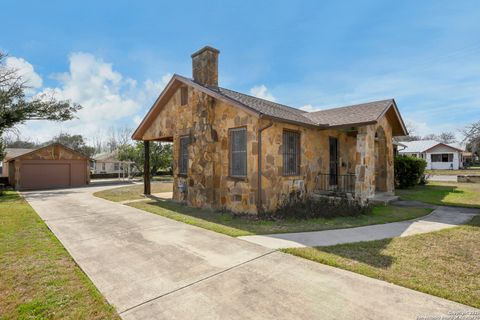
x=409, y=171
x=297, y=206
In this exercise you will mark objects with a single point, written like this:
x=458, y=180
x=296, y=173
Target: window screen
x=238, y=152
x=291, y=153
x=444, y=157
x=183, y=155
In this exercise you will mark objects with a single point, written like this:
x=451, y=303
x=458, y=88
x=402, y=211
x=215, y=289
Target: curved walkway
x=440, y=218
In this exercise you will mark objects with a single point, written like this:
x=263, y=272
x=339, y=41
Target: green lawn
x=133, y=192
x=240, y=226
x=444, y=263
x=38, y=278
x=453, y=172
x=444, y=193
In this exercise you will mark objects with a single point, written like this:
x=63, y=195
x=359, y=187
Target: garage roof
x=16, y=152
x=23, y=152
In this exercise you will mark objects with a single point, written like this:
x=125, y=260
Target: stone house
x=245, y=154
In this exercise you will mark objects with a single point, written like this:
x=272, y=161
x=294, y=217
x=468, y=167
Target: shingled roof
x=351, y=115
x=16, y=152
x=269, y=108
x=354, y=115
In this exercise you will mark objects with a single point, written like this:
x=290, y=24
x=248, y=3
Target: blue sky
x=114, y=57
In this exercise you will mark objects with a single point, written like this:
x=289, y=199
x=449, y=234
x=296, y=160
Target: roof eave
x=49, y=145
x=399, y=117
x=304, y=124
x=137, y=135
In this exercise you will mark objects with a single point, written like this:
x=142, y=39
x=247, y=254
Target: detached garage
x=52, y=166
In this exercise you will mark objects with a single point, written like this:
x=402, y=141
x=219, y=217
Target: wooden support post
x=146, y=168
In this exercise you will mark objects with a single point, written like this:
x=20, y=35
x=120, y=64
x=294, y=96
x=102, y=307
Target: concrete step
x=383, y=198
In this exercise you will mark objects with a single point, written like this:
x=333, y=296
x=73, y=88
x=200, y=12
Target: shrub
x=409, y=171
x=296, y=206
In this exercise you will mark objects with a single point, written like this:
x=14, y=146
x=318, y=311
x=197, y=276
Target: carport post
x=146, y=168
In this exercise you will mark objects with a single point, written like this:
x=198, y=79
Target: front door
x=333, y=167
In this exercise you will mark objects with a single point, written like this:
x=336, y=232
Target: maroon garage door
x=52, y=174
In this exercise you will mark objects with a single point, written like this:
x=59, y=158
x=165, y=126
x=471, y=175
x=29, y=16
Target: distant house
x=108, y=163
x=437, y=154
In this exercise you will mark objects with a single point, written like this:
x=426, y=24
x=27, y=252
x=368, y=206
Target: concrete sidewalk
x=440, y=218
x=151, y=267
x=443, y=177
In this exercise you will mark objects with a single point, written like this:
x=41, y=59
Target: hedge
x=409, y=171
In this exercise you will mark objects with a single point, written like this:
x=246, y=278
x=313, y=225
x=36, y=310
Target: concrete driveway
x=150, y=267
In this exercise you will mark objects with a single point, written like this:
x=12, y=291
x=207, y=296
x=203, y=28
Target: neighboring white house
x=108, y=163
x=438, y=155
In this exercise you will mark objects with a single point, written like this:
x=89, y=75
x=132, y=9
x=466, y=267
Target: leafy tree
x=16, y=107
x=75, y=142
x=11, y=141
x=161, y=155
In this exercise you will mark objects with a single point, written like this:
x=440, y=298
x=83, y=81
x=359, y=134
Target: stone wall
x=207, y=184
x=206, y=121
x=366, y=153
x=314, y=159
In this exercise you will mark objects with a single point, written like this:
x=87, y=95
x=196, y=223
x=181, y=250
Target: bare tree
x=471, y=135
x=412, y=133
x=444, y=137
x=117, y=137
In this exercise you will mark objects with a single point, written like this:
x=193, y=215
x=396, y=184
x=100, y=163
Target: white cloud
x=262, y=92
x=26, y=70
x=108, y=98
x=137, y=119
x=310, y=108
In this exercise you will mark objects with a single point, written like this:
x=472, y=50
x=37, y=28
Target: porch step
x=383, y=198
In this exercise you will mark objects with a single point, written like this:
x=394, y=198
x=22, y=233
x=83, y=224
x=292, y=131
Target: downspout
x=259, y=170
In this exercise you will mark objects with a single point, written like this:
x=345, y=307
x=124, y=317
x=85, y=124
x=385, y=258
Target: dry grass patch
x=444, y=263
x=38, y=278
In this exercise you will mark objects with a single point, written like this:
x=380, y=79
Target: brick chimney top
x=205, y=66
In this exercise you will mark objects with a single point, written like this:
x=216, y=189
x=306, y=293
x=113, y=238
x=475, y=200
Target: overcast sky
x=114, y=57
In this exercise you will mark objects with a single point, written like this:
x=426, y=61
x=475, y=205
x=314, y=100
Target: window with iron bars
x=291, y=153
x=238, y=152
x=183, y=155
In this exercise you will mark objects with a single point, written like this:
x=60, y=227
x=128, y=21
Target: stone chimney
x=205, y=66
